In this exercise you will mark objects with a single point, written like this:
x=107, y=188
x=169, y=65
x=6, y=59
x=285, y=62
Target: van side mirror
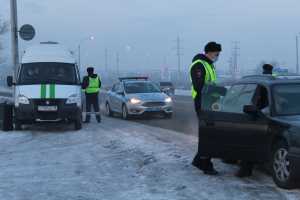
x=250, y=109
x=9, y=81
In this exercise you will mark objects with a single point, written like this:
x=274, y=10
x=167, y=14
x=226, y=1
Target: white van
x=47, y=87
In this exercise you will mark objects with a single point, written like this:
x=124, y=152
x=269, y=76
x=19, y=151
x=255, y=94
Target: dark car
x=258, y=120
x=167, y=87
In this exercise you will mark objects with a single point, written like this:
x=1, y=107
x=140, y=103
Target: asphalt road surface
x=184, y=117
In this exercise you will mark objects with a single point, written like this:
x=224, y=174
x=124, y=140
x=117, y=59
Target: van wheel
x=281, y=166
x=108, y=110
x=7, y=117
x=78, y=124
x=125, y=114
x=18, y=125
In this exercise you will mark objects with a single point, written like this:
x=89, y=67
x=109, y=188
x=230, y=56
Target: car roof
x=137, y=81
x=269, y=80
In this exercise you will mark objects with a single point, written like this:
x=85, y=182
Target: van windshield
x=48, y=73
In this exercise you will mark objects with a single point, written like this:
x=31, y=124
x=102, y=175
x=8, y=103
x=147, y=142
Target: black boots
x=98, y=118
x=205, y=165
x=88, y=119
x=245, y=170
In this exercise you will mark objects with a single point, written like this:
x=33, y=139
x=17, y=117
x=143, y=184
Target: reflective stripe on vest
x=210, y=75
x=93, y=85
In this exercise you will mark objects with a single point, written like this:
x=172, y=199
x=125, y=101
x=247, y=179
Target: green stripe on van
x=52, y=91
x=43, y=91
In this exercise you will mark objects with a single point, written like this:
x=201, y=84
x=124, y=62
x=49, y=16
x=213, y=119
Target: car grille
x=48, y=102
x=154, y=104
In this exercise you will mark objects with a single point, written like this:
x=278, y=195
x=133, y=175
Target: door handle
x=210, y=123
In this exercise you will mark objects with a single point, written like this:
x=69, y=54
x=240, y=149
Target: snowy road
x=117, y=160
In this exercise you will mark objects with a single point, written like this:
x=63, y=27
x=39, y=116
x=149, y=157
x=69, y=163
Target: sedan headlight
x=135, y=101
x=168, y=100
x=22, y=100
x=74, y=99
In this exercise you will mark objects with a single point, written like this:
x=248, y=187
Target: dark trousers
x=92, y=100
x=202, y=162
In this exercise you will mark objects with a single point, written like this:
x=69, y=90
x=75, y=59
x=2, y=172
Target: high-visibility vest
x=93, y=86
x=210, y=75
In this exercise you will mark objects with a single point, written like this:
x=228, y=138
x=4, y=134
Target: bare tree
x=3, y=29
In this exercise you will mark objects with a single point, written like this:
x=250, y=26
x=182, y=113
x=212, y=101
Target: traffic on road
x=107, y=100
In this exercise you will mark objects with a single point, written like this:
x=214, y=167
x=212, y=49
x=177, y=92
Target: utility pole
x=179, y=54
x=79, y=57
x=235, y=54
x=106, y=60
x=297, y=54
x=118, y=63
x=14, y=35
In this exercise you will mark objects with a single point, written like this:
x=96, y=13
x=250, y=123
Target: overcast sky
x=144, y=32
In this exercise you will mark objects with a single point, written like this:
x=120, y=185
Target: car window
x=166, y=84
x=120, y=88
x=114, y=88
x=237, y=97
x=141, y=87
x=232, y=96
x=211, y=97
x=286, y=99
x=261, y=99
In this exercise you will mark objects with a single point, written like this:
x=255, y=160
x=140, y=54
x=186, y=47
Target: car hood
x=148, y=96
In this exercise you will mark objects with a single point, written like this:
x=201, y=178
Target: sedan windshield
x=48, y=73
x=286, y=99
x=141, y=87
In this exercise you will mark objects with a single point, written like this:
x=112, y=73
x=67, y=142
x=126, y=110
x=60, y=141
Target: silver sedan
x=137, y=97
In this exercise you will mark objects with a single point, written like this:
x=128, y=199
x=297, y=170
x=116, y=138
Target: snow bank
x=117, y=160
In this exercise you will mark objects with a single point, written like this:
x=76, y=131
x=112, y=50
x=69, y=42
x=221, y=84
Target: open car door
x=225, y=131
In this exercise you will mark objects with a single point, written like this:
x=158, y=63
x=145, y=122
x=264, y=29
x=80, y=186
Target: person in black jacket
x=91, y=85
x=199, y=73
x=267, y=69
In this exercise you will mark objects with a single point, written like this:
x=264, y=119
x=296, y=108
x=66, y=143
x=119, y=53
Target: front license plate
x=154, y=109
x=47, y=108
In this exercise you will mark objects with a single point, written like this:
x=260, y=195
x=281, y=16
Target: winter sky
x=144, y=32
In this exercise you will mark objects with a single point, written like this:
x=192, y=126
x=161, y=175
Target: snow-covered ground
x=117, y=160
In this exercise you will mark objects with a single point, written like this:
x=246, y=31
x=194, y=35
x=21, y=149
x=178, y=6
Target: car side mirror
x=9, y=81
x=250, y=109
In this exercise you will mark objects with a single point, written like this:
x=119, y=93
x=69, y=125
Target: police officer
x=267, y=69
x=91, y=86
x=203, y=73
